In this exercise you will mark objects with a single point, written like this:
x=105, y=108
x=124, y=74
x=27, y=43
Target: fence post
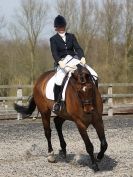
x=110, y=101
x=19, y=98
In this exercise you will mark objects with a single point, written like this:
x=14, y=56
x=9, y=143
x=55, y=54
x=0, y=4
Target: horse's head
x=85, y=88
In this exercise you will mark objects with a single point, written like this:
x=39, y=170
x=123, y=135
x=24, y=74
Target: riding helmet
x=59, y=21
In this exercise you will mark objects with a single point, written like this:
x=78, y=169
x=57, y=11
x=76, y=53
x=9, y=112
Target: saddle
x=50, y=88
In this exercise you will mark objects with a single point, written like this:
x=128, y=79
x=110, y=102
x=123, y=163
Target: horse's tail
x=26, y=111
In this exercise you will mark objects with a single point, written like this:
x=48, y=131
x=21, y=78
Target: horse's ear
x=79, y=67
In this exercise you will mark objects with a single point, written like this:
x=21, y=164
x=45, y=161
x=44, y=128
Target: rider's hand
x=62, y=64
x=83, y=61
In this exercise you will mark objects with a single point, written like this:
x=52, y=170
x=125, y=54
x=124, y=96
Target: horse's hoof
x=99, y=157
x=51, y=160
x=51, y=157
x=62, y=154
x=97, y=160
x=95, y=167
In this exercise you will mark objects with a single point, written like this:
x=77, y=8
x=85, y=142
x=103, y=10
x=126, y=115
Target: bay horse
x=83, y=105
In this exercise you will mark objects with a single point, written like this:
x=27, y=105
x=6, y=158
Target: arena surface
x=23, y=150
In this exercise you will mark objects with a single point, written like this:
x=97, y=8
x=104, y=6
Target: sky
x=8, y=8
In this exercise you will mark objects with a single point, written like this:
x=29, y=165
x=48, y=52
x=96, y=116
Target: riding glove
x=62, y=64
x=83, y=61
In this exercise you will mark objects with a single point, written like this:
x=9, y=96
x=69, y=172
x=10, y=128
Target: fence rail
x=109, y=107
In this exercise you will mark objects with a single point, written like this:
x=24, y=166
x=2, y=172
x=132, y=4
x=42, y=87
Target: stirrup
x=57, y=107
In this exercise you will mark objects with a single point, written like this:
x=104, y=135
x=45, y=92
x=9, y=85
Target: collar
x=62, y=34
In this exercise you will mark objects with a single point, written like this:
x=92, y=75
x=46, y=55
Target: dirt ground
x=23, y=150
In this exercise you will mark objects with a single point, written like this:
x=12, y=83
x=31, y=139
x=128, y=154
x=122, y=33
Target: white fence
x=120, y=108
x=7, y=110
x=109, y=108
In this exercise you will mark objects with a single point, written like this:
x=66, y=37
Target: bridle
x=92, y=100
x=87, y=101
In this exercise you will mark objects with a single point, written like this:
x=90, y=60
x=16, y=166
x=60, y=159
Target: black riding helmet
x=59, y=21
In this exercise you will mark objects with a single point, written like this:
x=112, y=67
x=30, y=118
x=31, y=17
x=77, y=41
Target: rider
x=65, y=49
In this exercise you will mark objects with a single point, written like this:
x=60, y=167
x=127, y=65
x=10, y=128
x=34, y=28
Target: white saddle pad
x=50, y=89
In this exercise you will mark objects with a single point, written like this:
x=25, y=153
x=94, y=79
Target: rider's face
x=60, y=29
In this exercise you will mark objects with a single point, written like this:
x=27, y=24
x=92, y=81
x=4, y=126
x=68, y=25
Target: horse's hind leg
x=98, y=125
x=58, y=124
x=47, y=131
x=89, y=147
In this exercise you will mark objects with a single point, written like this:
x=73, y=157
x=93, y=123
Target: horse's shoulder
x=71, y=83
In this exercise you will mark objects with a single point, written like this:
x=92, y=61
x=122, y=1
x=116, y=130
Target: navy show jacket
x=60, y=49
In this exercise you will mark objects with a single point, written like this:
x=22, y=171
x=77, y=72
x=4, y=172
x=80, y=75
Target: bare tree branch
x=82, y=19
x=110, y=26
x=2, y=22
x=31, y=20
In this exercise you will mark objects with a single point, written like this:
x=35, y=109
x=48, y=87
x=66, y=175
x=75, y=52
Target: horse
x=83, y=105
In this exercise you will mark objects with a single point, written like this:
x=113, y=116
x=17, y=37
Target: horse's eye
x=82, y=79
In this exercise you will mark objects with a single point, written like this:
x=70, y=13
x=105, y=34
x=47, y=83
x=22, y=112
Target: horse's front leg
x=47, y=130
x=89, y=147
x=58, y=124
x=99, y=126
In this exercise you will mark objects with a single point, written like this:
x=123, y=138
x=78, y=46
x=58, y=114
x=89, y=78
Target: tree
x=82, y=19
x=110, y=25
x=128, y=32
x=68, y=9
x=31, y=20
x=88, y=24
x=110, y=29
x=2, y=69
x=2, y=22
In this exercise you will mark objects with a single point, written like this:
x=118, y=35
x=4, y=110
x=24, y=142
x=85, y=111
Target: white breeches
x=70, y=66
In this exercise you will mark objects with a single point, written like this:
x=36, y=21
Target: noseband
x=87, y=101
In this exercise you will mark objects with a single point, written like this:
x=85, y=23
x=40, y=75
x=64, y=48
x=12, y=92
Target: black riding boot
x=57, y=98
